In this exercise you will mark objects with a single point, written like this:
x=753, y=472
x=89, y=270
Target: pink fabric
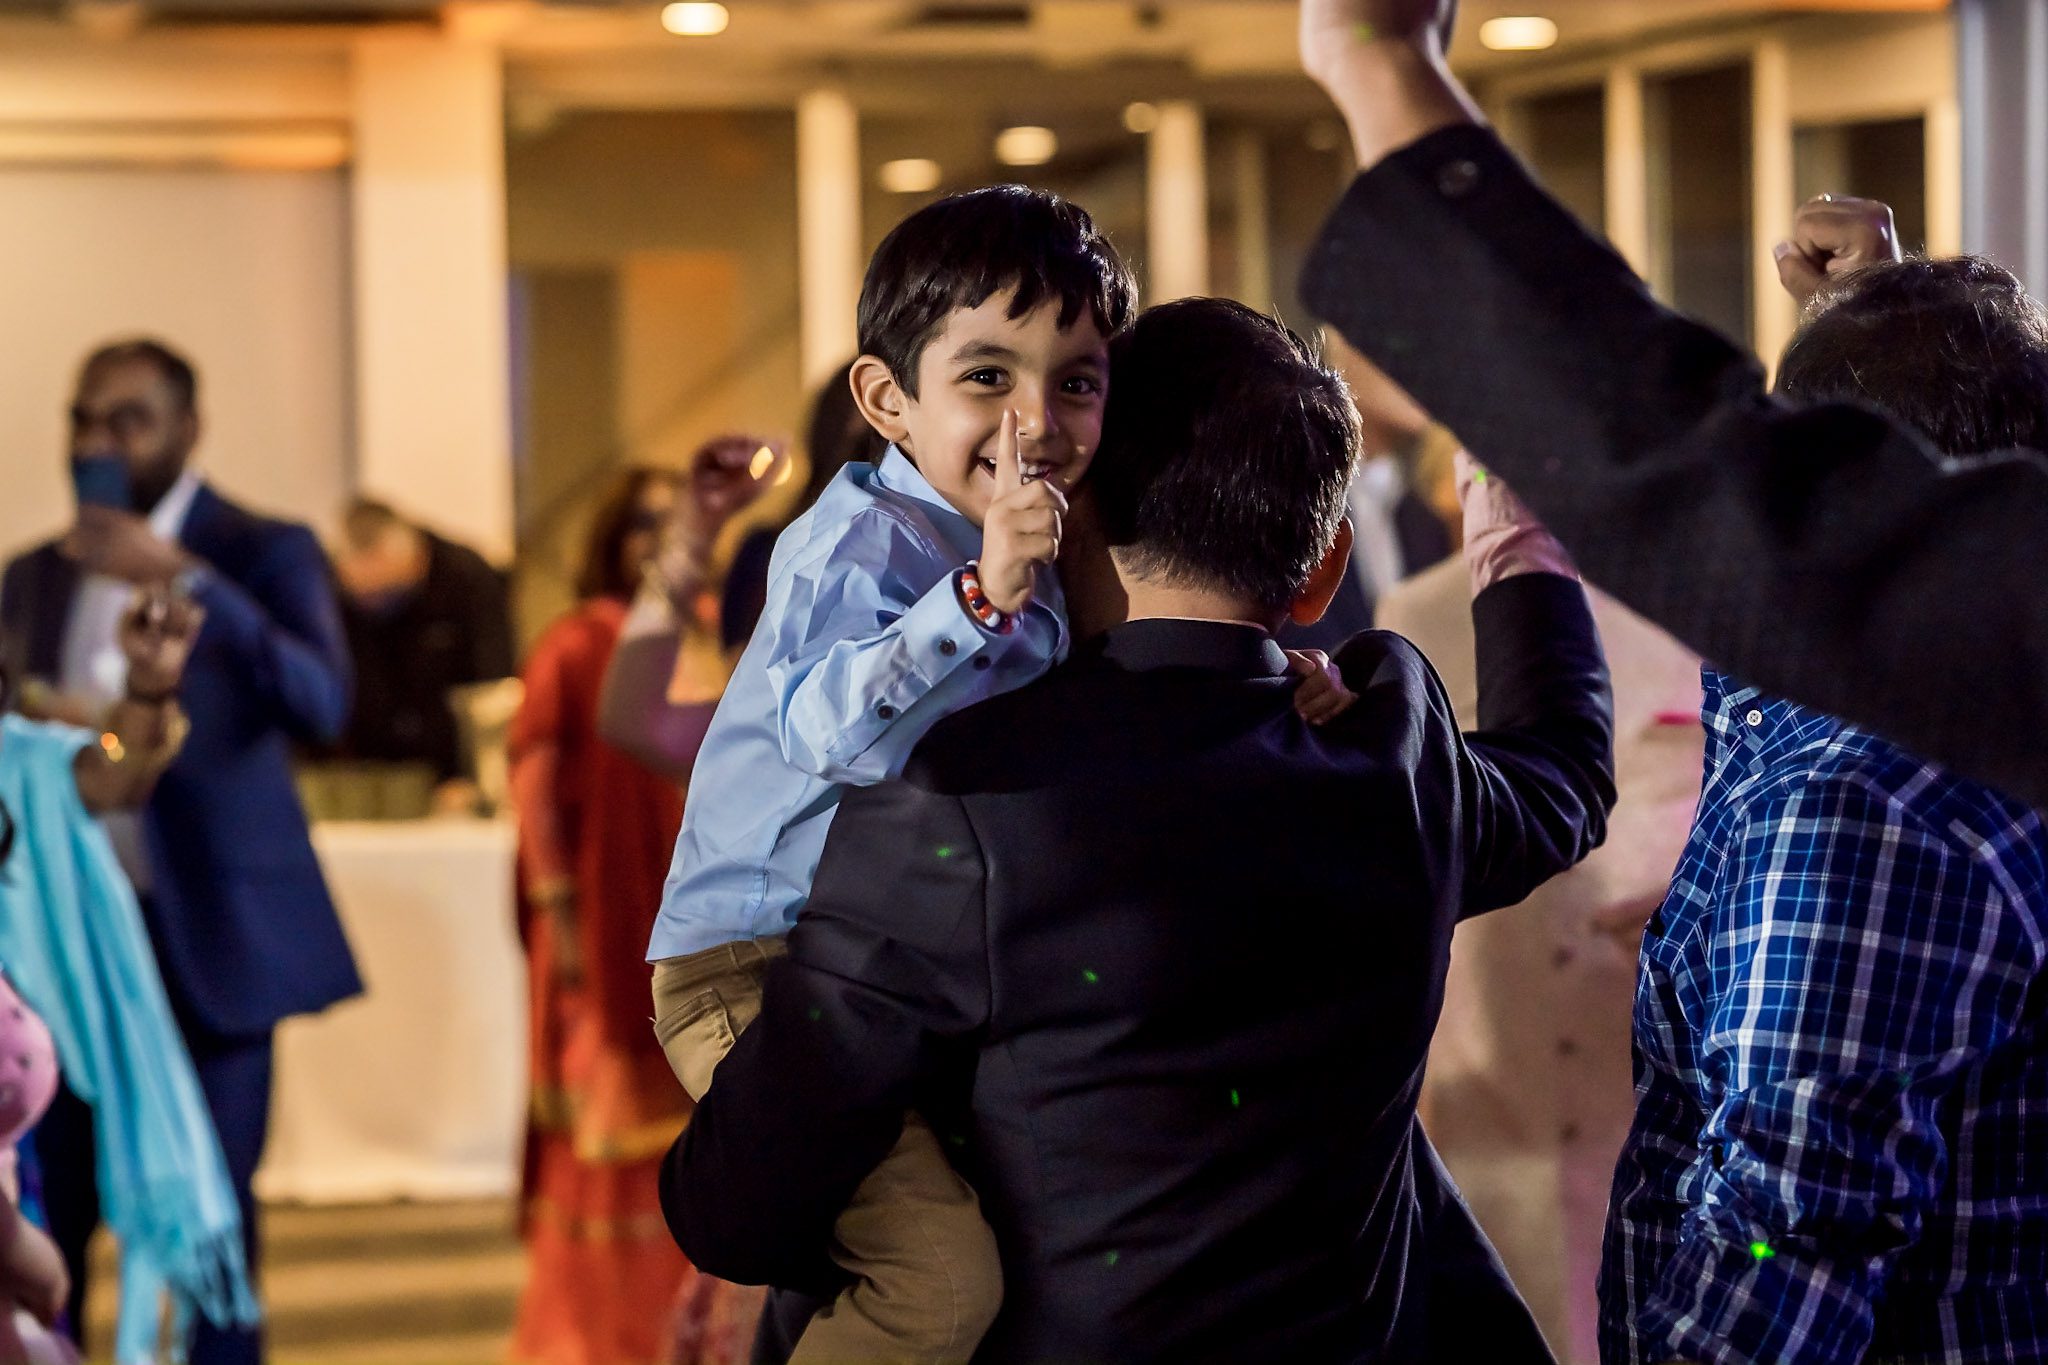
x=1502, y=537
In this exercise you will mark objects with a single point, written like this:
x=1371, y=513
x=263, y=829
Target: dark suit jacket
x=1819, y=552
x=245, y=933
x=1162, y=964
x=454, y=628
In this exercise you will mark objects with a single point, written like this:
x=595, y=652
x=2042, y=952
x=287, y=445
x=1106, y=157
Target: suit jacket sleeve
x=1820, y=552
x=1535, y=782
x=284, y=629
x=878, y=1001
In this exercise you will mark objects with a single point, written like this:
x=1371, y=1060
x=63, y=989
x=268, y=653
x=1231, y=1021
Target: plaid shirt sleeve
x=1861, y=961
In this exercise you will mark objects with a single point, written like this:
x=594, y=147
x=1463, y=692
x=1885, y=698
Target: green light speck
x=1761, y=1250
x=1088, y=975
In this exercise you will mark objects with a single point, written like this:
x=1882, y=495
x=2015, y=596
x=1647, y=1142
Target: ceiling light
x=1518, y=33
x=1141, y=117
x=912, y=175
x=1026, y=146
x=690, y=20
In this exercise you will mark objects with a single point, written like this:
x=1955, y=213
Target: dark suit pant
x=235, y=1076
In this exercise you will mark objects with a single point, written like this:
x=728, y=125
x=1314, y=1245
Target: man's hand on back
x=1382, y=62
x=1833, y=236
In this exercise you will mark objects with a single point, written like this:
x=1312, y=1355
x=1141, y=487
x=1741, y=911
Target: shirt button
x=982, y=661
x=1754, y=718
x=886, y=711
x=1456, y=179
x=948, y=648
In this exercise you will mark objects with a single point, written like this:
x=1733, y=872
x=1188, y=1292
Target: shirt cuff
x=940, y=634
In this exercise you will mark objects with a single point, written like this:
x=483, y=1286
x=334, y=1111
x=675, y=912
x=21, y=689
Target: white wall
x=244, y=271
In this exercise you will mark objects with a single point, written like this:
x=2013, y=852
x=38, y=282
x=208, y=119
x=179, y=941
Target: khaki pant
x=928, y=1282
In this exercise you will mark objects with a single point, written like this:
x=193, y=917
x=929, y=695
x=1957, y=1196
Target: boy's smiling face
x=981, y=363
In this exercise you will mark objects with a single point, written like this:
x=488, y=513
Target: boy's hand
x=1832, y=236
x=1022, y=529
x=1322, y=696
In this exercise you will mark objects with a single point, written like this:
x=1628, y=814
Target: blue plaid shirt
x=1840, y=1150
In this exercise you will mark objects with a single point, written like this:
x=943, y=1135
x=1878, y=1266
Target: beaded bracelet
x=978, y=606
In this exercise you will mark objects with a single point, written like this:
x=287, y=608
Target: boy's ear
x=879, y=397
x=1322, y=585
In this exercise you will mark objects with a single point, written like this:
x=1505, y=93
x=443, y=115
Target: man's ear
x=1322, y=585
x=880, y=398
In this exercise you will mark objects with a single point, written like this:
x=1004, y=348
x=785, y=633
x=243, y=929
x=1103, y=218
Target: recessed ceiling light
x=912, y=175
x=1141, y=117
x=692, y=20
x=1518, y=33
x=1026, y=146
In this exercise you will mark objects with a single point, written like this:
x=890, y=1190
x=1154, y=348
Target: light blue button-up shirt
x=863, y=646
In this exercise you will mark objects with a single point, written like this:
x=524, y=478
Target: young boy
x=915, y=587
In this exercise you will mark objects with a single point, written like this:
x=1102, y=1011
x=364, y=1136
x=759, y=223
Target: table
x=417, y=1089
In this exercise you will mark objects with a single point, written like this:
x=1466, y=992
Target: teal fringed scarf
x=72, y=940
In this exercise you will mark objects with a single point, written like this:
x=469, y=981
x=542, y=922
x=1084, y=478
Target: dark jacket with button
x=454, y=629
x=1161, y=963
x=1822, y=552
x=238, y=911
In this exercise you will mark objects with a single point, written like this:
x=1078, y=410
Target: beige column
x=1773, y=190
x=828, y=231
x=1176, y=205
x=432, y=371
x=1252, y=202
x=1944, y=177
x=1627, y=165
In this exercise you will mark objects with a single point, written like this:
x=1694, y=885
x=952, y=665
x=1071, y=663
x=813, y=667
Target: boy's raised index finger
x=1009, y=454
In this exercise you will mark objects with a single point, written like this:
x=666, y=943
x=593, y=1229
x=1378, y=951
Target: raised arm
x=285, y=633
x=1822, y=553
x=143, y=732
x=880, y=997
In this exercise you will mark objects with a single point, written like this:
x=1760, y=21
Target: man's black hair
x=1955, y=348
x=175, y=369
x=960, y=251
x=1227, y=450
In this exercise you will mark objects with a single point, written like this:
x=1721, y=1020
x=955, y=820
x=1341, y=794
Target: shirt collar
x=896, y=473
x=1744, y=724
x=1233, y=647
x=167, y=518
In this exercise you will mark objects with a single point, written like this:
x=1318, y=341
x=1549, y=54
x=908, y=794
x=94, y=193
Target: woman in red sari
x=596, y=833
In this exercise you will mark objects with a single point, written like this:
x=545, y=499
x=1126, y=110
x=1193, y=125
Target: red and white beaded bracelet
x=978, y=606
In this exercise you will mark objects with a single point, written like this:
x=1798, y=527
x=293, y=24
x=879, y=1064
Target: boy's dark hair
x=1227, y=451
x=1955, y=348
x=960, y=251
x=175, y=369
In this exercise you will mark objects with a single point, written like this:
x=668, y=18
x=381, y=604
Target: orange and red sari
x=605, y=1282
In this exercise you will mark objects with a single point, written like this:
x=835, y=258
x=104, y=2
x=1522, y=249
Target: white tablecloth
x=416, y=1089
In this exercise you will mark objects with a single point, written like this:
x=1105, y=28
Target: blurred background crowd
x=486, y=292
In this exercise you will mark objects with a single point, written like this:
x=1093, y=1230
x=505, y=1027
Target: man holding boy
x=1160, y=961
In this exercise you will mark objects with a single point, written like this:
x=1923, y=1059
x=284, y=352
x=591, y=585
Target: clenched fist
x=1833, y=236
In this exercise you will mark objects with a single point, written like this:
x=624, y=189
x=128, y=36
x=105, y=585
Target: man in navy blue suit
x=244, y=930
